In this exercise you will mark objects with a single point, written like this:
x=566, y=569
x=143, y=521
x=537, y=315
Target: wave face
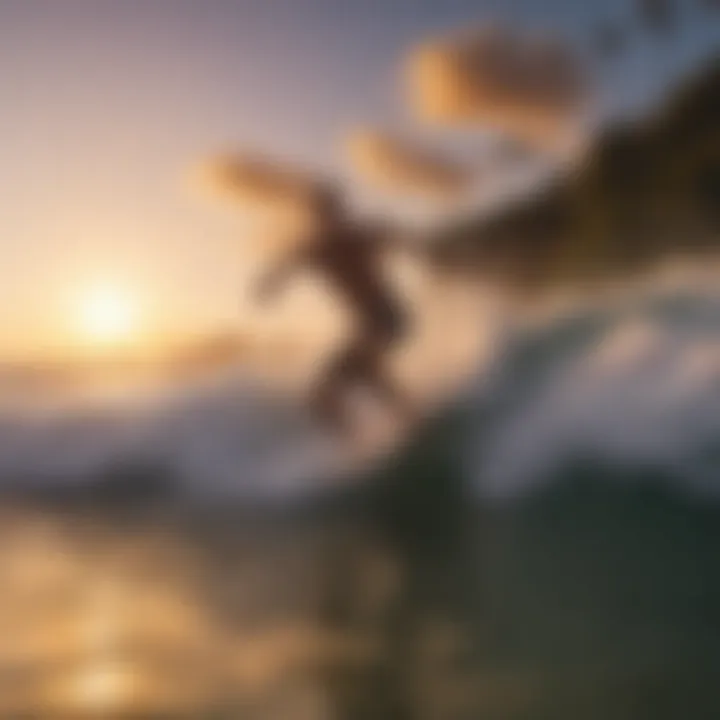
x=622, y=385
x=626, y=388
x=209, y=439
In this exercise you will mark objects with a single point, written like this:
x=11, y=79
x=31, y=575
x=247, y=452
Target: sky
x=107, y=103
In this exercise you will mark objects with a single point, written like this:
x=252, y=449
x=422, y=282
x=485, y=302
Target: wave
x=629, y=380
x=629, y=386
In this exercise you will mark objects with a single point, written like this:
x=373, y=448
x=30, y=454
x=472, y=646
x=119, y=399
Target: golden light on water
x=105, y=687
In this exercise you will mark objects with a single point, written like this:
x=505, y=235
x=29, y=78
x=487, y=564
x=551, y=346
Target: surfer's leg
x=387, y=389
x=362, y=363
x=379, y=381
x=373, y=373
x=328, y=401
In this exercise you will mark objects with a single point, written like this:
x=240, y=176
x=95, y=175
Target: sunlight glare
x=107, y=315
x=104, y=688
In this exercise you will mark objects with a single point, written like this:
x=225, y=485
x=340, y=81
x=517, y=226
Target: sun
x=107, y=315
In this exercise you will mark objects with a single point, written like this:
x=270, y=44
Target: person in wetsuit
x=349, y=257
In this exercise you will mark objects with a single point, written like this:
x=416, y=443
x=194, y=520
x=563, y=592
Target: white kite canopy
x=279, y=199
x=526, y=86
x=257, y=180
x=395, y=165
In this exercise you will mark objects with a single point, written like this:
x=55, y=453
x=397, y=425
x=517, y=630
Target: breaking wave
x=627, y=387
x=626, y=382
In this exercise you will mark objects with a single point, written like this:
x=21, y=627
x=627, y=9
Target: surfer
x=349, y=257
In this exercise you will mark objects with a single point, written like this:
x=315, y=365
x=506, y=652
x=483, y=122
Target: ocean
x=544, y=545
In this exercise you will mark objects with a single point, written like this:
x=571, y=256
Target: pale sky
x=106, y=103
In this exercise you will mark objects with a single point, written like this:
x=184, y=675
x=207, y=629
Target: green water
x=593, y=600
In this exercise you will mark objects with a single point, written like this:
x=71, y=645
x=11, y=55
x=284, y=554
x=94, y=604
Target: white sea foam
x=629, y=387
x=626, y=379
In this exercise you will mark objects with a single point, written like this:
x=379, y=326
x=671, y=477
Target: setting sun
x=107, y=315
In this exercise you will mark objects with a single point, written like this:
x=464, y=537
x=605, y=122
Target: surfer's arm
x=389, y=238
x=271, y=282
x=391, y=242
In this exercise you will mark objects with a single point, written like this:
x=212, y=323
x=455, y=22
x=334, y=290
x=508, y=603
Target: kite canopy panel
x=528, y=87
x=279, y=201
